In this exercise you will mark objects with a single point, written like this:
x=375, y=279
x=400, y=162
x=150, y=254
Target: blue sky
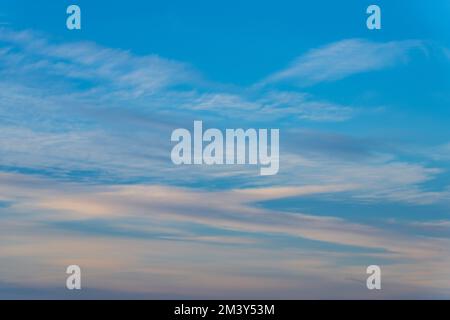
x=85, y=170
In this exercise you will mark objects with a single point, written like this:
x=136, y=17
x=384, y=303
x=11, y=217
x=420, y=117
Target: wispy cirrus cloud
x=162, y=223
x=274, y=105
x=106, y=131
x=120, y=70
x=344, y=58
x=86, y=73
x=379, y=177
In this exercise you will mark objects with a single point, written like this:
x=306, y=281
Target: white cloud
x=342, y=59
x=119, y=76
x=114, y=68
x=433, y=225
x=439, y=153
x=378, y=177
x=272, y=105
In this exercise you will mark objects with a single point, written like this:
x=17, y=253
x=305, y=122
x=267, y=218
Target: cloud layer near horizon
x=139, y=229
